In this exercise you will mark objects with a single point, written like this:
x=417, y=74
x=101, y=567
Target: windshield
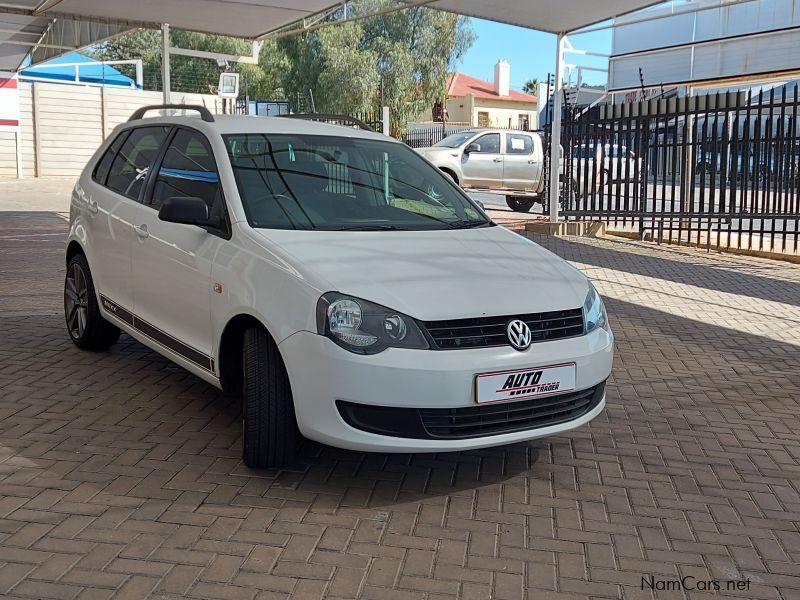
x=455, y=140
x=340, y=183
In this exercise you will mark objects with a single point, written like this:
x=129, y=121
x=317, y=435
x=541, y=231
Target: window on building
x=523, y=122
x=483, y=119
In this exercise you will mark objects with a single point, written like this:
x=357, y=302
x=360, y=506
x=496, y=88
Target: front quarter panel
x=254, y=279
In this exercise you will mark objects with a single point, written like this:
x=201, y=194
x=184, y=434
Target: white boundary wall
x=62, y=125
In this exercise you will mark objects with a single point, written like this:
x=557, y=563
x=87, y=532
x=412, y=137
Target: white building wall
x=69, y=123
x=750, y=39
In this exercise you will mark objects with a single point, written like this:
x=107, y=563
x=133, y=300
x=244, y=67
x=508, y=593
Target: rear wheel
x=520, y=203
x=270, y=427
x=87, y=328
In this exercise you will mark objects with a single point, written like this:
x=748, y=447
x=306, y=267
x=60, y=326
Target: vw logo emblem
x=519, y=334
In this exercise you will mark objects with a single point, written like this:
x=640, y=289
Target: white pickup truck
x=498, y=161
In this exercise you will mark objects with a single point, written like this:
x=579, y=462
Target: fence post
x=386, y=121
x=37, y=137
x=102, y=112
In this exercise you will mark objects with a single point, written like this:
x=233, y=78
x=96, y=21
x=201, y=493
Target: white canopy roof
x=552, y=16
x=50, y=27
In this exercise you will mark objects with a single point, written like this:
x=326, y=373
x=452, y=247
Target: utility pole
x=165, y=82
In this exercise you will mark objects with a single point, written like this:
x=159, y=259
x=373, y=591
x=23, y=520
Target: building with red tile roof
x=480, y=103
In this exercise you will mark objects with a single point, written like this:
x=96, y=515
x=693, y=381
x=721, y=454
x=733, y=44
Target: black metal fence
x=426, y=136
x=373, y=118
x=720, y=170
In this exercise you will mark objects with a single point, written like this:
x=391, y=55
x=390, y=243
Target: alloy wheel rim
x=76, y=301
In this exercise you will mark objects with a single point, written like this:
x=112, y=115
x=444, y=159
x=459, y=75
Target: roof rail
x=346, y=120
x=204, y=112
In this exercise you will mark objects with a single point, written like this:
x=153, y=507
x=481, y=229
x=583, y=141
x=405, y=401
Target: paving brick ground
x=120, y=474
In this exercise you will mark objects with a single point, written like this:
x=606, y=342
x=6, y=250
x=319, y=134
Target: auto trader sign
x=9, y=102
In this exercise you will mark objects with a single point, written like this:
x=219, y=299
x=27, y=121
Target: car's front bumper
x=322, y=373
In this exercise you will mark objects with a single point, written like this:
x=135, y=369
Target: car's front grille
x=508, y=417
x=483, y=332
x=474, y=421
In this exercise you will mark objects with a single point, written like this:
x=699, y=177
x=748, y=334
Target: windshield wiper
x=371, y=228
x=468, y=224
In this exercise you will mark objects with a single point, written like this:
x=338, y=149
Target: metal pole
x=386, y=122
x=555, y=131
x=165, y=82
x=139, y=75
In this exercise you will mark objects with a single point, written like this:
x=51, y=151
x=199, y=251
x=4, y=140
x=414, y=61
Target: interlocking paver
x=120, y=473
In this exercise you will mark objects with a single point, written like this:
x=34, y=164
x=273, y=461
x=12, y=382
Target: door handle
x=91, y=206
x=497, y=160
x=141, y=231
x=531, y=162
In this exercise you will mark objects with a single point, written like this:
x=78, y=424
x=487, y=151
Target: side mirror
x=186, y=210
x=473, y=147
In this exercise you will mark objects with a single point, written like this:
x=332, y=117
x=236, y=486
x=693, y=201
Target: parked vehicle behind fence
x=617, y=163
x=500, y=161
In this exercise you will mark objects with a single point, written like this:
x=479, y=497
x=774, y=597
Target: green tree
x=531, y=86
x=399, y=59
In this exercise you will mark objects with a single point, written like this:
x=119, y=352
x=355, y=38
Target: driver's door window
x=188, y=169
x=489, y=144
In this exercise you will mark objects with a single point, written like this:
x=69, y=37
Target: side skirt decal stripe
x=155, y=334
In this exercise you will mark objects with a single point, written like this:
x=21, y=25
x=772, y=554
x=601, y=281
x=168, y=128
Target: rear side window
x=132, y=162
x=188, y=169
x=104, y=164
x=518, y=144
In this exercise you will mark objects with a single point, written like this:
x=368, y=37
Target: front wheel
x=520, y=203
x=87, y=328
x=270, y=427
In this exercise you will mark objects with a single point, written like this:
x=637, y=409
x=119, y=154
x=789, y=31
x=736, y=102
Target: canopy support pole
x=165, y=82
x=555, y=131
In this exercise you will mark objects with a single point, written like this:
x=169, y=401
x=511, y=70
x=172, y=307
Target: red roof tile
x=461, y=84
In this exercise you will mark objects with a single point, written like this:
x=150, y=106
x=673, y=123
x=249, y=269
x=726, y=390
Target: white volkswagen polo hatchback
x=344, y=286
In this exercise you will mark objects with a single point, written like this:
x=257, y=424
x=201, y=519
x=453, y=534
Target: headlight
x=363, y=327
x=594, y=313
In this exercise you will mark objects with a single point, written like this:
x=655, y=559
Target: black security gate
x=720, y=170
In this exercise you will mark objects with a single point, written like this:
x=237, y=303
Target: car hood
x=434, y=275
x=438, y=151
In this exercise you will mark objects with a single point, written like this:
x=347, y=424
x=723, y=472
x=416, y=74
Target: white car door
x=172, y=262
x=111, y=199
x=483, y=167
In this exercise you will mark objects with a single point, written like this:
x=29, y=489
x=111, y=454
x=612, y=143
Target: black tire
x=702, y=169
x=520, y=203
x=450, y=176
x=87, y=328
x=568, y=199
x=270, y=427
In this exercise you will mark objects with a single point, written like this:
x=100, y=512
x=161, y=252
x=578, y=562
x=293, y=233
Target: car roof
x=231, y=124
x=492, y=130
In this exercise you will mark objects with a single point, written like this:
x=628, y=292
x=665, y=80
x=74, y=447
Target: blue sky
x=530, y=53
